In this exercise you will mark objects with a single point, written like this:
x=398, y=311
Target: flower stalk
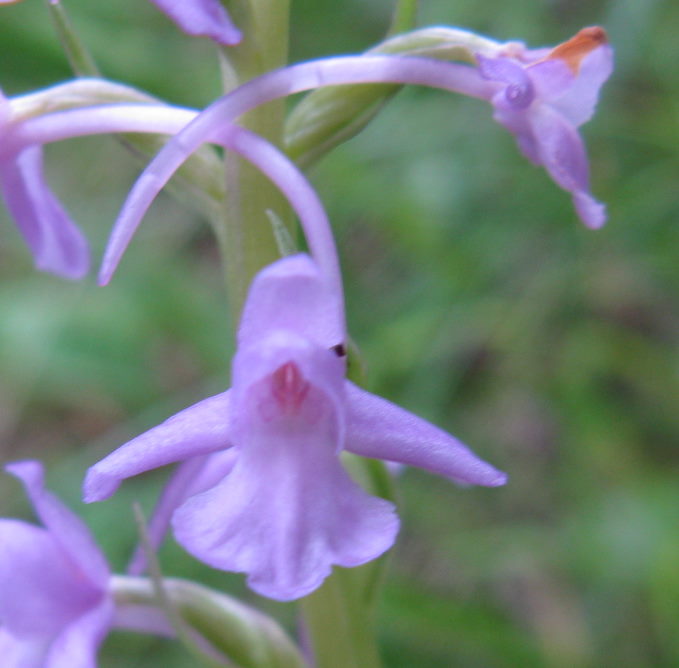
x=245, y=235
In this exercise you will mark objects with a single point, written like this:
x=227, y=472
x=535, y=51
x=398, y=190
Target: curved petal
x=197, y=430
x=561, y=149
x=77, y=645
x=270, y=86
x=288, y=511
x=291, y=294
x=201, y=17
x=379, y=429
x=64, y=526
x=42, y=589
x=562, y=153
x=56, y=243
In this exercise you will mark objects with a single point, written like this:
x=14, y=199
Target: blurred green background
x=478, y=301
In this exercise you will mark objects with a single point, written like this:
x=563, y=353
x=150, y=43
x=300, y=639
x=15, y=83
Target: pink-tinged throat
x=289, y=389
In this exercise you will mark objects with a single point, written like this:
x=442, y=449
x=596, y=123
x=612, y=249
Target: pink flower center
x=289, y=388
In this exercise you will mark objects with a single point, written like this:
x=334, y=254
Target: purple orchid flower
x=57, y=245
x=544, y=98
x=541, y=96
x=57, y=594
x=267, y=494
x=55, y=241
x=202, y=18
x=54, y=238
x=55, y=605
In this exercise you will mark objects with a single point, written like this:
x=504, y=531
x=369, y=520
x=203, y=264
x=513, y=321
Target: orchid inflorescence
x=260, y=487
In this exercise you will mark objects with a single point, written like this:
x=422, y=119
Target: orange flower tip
x=577, y=47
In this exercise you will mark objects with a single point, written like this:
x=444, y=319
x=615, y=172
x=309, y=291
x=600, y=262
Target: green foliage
x=475, y=298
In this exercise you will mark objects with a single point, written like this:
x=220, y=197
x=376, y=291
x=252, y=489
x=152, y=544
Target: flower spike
x=542, y=106
x=273, y=85
x=284, y=510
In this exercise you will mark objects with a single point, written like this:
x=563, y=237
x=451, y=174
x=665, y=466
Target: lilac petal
x=591, y=212
x=282, y=351
x=291, y=295
x=579, y=101
x=22, y=652
x=561, y=149
x=191, y=477
x=67, y=529
x=552, y=79
x=42, y=588
x=77, y=645
x=268, y=87
x=197, y=430
x=56, y=243
x=288, y=511
x=517, y=122
x=201, y=17
x=562, y=152
x=519, y=92
x=378, y=429
x=303, y=199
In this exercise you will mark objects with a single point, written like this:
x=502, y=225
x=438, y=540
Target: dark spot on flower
x=339, y=350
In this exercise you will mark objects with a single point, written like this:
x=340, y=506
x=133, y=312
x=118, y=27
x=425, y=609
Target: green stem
x=243, y=635
x=340, y=629
x=246, y=236
x=340, y=616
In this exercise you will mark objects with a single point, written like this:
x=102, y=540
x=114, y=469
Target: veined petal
x=292, y=295
x=201, y=17
x=66, y=528
x=197, y=430
x=378, y=429
x=288, y=511
x=77, y=644
x=56, y=243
